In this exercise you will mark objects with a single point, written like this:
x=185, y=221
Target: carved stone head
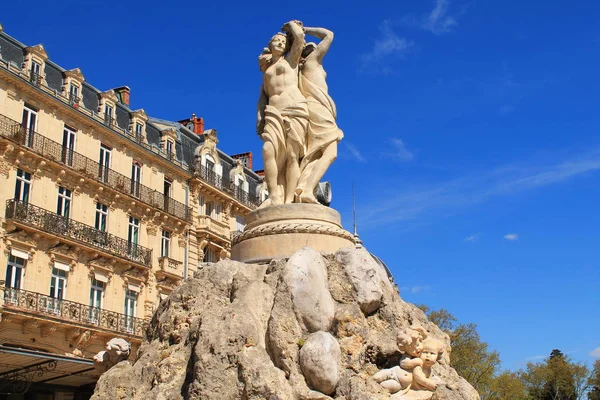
x=410, y=341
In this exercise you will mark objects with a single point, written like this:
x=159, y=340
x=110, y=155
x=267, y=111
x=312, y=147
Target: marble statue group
x=296, y=116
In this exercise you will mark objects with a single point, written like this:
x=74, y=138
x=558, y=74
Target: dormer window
x=74, y=94
x=108, y=114
x=108, y=100
x=138, y=130
x=169, y=148
x=34, y=63
x=35, y=75
x=35, y=68
x=138, y=125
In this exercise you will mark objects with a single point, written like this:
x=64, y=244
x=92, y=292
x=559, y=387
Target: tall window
x=209, y=255
x=35, y=76
x=58, y=283
x=104, y=163
x=68, y=145
x=14, y=272
x=35, y=67
x=22, y=186
x=167, y=193
x=101, y=217
x=165, y=244
x=74, y=93
x=208, y=209
x=240, y=224
x=96, y=299
x=29, y=123
x=169, y=149
x=58, y=286
x=130, y=308
x=63, y=207
x=136, y=178
x=14, y=278
x=138, y=130
x=133, y=235
x=217, y=212
x=108, y=114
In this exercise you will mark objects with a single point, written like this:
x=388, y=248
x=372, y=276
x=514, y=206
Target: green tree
x=556, y=378
x=506, y=386
x=594, y=382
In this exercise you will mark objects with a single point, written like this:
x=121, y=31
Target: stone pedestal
x=281, y=230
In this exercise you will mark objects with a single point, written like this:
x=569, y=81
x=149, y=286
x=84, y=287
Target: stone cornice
x=75, y=74
x=109, y=95
x=37, y=50
x=140, y=114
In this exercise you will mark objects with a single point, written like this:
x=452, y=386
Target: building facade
x=104, y=210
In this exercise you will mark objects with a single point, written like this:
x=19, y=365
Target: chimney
x=123, y=94
x=246, y=159
x=194, y=124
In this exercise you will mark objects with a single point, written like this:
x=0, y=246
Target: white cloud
x=388, y=44
x=595, y=352
x=511, y=236
x=355, y=152
x=400, y=151
x=438, y=21
x=536, y=358
x=416, y=289
x=402, y=202
x=473, y=238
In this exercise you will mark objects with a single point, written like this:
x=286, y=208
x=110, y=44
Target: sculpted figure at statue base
x=413, y=378
x=296, y=116
x=117, y=350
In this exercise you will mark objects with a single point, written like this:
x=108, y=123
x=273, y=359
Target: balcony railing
x=225, y=185
x=35, y=79
x=47, y=221
x=220, y=228
x=92, y=169
x=65, y=310
x=170, y=266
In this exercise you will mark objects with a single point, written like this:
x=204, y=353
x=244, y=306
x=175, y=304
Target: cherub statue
x=117, y=350
x=430, y=354
x=400, y=377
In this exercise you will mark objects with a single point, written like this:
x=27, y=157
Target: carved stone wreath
x=292, y=228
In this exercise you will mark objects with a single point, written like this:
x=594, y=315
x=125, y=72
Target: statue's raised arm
x=294, y=29
x=322, y=48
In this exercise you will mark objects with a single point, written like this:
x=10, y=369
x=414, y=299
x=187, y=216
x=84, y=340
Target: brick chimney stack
x=124, y=94
x=195, y=124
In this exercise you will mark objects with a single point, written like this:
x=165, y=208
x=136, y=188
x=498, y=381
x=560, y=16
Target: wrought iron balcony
x=57, y=152
x=225, y=185
x=41, y=305
x=47, y=221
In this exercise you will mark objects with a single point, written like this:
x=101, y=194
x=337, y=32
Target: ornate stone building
x=103, y=211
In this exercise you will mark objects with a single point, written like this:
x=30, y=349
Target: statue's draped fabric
x=322, y=128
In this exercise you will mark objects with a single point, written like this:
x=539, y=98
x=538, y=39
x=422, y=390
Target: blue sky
x=471, y=135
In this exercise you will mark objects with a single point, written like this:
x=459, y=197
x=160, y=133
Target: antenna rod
x=354, y=208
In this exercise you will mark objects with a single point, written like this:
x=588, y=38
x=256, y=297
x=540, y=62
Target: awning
x=134, y=288
x=20, y=366
x=62, y=266
x=100, y=277
x=18, y=253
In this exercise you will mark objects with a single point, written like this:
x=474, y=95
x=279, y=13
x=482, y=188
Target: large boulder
x=320, y=362
x=314, y=327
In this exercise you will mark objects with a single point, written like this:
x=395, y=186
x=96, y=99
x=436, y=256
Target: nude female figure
x=282, y=117
x=323, y=133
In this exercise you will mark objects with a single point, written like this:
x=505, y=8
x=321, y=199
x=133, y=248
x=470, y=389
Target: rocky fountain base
x=311, y=327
